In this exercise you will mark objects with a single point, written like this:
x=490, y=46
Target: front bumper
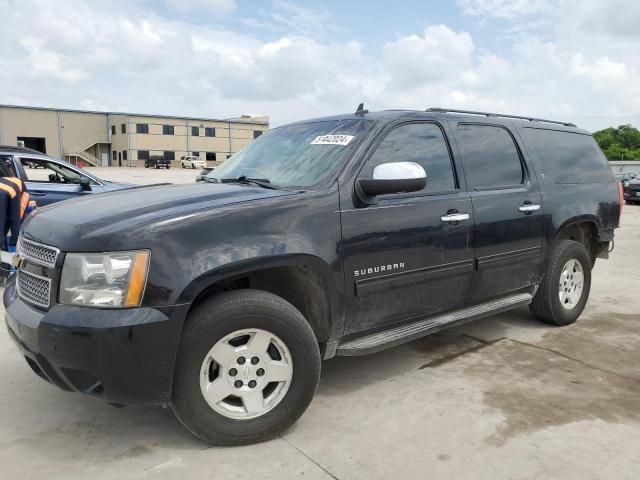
x=124, y=356
x=633, y=195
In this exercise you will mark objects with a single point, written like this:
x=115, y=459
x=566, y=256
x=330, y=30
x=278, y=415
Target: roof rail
x=488, y=114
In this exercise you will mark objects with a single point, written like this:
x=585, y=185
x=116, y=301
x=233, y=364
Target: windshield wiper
x=261, y=182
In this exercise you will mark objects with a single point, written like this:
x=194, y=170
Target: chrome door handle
x=455, y=217
x=529, y=208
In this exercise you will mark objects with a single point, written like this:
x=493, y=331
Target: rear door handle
x=37, y=194
x=455, y=217
x=529, y=207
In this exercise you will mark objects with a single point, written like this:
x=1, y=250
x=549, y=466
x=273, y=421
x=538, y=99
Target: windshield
x=299, y=155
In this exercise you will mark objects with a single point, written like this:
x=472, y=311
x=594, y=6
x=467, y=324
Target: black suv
x=632, y=191
x=157, y=161
x=342, y=235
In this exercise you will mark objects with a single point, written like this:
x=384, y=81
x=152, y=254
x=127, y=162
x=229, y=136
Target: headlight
x=107, y=280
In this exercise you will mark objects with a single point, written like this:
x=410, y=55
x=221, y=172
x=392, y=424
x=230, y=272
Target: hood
x=92, y=217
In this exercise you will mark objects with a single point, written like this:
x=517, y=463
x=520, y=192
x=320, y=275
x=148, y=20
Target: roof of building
x=248, y=119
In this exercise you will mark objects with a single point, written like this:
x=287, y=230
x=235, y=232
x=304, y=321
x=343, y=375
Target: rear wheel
x=248, y=367
x=564, y=291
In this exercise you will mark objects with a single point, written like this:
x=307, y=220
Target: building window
x=195, y=131
x=211, y=156
x=123, y=128
x=256, y=133
x=142, y=128
x=195, y=154
x=228, y=155
x=209, y=132
x=167, y=129
x=124, y=154
x=143, y=154
x=113, y=129
x=169, y=155
x=115, y=156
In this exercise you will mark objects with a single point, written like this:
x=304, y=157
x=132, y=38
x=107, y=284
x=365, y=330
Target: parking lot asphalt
x=504, y=397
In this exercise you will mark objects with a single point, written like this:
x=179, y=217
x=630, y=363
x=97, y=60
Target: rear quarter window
x=567, y=157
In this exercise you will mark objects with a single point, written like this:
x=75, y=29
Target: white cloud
x=437, y=54
x=508, y=9
x=213, y=7
x=132, y=57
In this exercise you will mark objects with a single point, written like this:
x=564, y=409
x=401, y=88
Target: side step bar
x=375, y=342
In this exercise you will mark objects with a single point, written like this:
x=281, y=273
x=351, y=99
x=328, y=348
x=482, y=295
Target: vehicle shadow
x=342, y=375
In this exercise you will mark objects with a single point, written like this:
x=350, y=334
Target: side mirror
x=396, y=177
x=85, y=184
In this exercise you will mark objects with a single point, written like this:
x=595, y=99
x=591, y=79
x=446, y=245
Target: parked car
x=58, y=181
x=190, y=161
x=624, y=178
x=157, y=161
x=632, y=191
x=338, y=236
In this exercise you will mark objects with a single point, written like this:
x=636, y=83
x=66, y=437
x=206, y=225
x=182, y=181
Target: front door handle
x=529, y=207
x=455, y=217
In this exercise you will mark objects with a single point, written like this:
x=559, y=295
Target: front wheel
x=247, y=369
x=564, y=291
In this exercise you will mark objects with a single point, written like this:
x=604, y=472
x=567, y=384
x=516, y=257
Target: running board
x=405, y=333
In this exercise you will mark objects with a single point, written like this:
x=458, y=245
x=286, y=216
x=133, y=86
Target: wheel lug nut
x=233, y=372
x=260, y=372
x=241, y=360
x=252, y=384
x=237, y=383
x=255, y=360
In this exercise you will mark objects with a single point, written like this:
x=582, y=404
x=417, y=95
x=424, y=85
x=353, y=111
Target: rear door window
x=567, y=157
x=490, y=157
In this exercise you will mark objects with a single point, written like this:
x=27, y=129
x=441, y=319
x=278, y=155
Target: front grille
x=34, y=289
x=38, y=253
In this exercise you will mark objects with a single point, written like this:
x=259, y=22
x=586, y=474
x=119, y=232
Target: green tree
x=619, y=143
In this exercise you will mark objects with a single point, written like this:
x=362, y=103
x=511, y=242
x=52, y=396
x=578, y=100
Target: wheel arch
x=303, y=280
x=584, y=230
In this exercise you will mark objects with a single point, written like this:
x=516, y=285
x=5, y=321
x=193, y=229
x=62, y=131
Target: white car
x=190, y=161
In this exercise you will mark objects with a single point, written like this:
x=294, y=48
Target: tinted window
x=211, y=156
x=167, y=129
x=123, y=128
x=256, y=133
x=490, y=156
x=142, y=128
x=113, y=129
x=124, y=154
x=422, y=143
x=143, y=154
x=209, y=132
x=168, y=155
x=567, y=157
x=195, y=131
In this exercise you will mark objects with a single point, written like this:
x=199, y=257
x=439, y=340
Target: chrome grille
x=38, y=253
x=34, y=289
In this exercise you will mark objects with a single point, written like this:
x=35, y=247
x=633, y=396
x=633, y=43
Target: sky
x=573, y=60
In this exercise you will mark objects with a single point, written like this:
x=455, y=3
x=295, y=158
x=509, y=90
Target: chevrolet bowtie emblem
x=16, y=261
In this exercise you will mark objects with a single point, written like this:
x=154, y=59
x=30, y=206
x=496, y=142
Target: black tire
x=220, y=316
x=168, y=167
x=546, y=304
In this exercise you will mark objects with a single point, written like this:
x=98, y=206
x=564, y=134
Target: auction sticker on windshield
x=332, y=140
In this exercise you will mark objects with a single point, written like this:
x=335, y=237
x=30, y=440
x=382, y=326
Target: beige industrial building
x=123, y=139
